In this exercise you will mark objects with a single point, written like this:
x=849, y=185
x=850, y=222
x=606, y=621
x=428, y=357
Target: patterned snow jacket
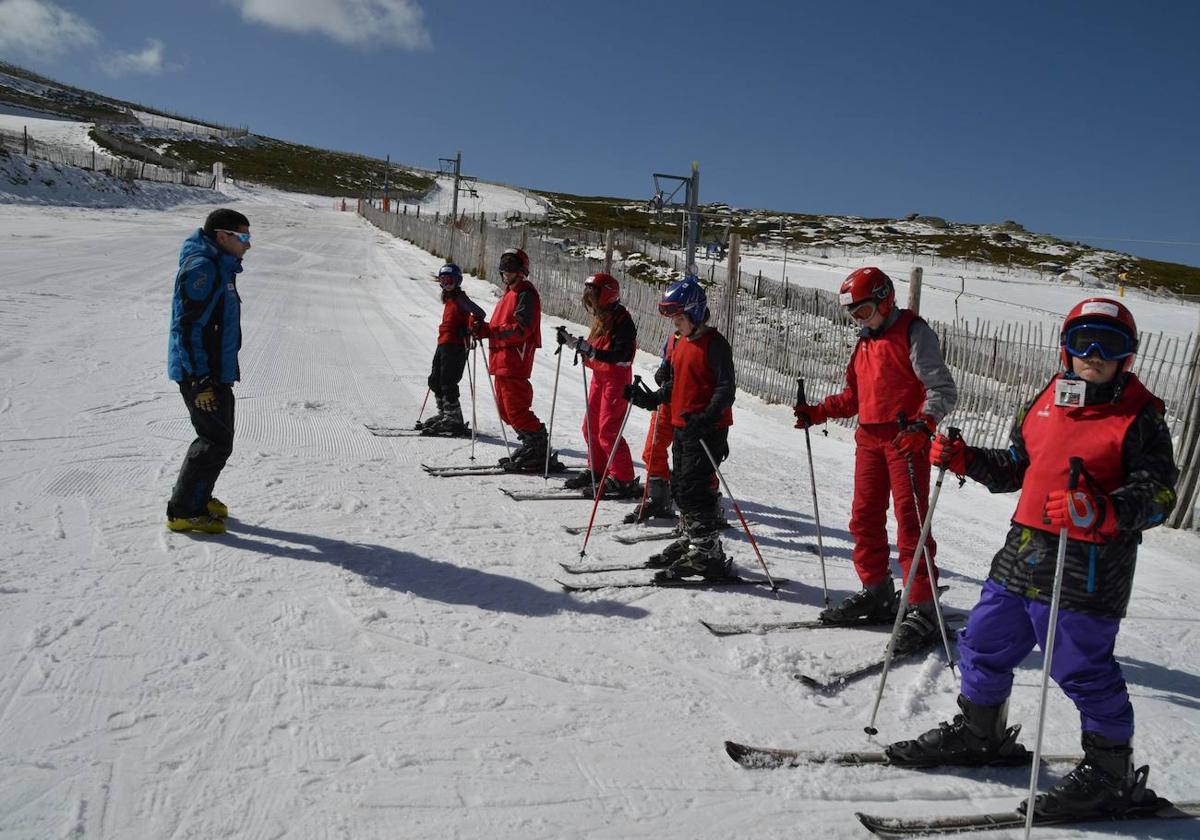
x=206, y=314
x=1098, y=575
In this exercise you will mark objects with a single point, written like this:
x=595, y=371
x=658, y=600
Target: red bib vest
x=885, y=382
x=1054, y=434
x=693, y=380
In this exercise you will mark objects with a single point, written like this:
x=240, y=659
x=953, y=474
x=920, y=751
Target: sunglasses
x=244, y=238
x=1111, y=343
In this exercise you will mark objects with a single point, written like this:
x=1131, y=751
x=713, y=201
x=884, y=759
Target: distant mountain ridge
x=145, y=133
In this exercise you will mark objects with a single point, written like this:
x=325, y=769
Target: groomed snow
x=375, y=653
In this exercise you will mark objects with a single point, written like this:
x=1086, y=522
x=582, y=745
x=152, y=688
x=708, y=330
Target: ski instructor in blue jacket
x=202, y=356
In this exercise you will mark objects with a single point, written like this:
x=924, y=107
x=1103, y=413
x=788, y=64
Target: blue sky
x=1074, y=118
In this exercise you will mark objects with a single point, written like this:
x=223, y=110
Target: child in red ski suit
x=514, y=333
x=608, y=352
x=450, y=358
x=896, y=368
x=700, y=387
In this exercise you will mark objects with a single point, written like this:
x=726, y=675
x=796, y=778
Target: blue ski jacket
x=206, y=314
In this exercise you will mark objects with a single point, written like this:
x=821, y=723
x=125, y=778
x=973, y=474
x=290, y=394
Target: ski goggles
x=1111, y=343
x=244, y=238
x=863, y=311
x=671, y=308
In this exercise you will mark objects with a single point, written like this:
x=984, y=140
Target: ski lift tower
x=666, y=192
x=462, y=183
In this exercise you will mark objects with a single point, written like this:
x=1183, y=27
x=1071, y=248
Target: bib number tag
x=1069, y=393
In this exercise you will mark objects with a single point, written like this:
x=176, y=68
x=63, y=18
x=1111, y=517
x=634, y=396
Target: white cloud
x=39, y=29
x=148, y=61
x=352, y=22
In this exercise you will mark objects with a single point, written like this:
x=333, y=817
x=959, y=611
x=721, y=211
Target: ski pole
x=474, y=418
x=812, y=476
x=553, y=401
x=954, y=434
x=500, y=414
x=587, y=422
x=887, y=655
x=737, y=507
x=1060, y=563
x=421, y=413
x=600, y=487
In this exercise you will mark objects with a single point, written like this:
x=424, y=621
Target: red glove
x=478, y=327
x=1081, y=509
x=951, y=454
x=809, y=415
x=914, y=437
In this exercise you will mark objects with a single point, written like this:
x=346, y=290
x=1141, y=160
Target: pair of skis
x=460, y=470
x=680, y=583
x=769, y=758
x=404, y=431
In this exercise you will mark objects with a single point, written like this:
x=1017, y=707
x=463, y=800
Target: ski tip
x=735, y=750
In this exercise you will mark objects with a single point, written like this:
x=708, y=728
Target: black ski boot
x=614, y=489
x=583, y=480
x=658, y=502
x=704, y=558
x=674, y=551
x=432, y=421
x=1103, y=784
x=977, y=737
x=449, y=423
x=531, y=456
x=873, y=605
x=918, y=631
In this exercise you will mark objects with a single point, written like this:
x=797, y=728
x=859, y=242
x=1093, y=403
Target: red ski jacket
x=515, y=331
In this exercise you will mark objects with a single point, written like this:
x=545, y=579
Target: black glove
x=641, y=397
x=204, y=397
x=584, y=348
x=433, y=382
x=562, y=336
x=696, y=425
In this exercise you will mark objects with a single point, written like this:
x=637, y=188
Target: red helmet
x=868, y=285
x=604, y=289
x=515, y=260
x=1099, y=324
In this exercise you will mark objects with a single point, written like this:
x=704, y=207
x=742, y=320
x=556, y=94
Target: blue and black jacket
x=206, y=314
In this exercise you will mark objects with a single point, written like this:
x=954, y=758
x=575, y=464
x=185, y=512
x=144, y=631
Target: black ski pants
x=208, y=453
x=694, y=478
x=448, y=363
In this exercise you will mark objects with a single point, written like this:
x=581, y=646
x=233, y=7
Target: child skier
x=699, y=387
x=608, y=351
x=657, y=503
x=1097, y=410
x=451, y=355
x=896, y=368
x=514, y=333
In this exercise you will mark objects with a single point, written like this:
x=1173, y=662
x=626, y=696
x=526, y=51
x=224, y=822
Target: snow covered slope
x=375, y=653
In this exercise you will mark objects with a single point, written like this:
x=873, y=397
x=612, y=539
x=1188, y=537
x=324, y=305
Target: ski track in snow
x=372, y=652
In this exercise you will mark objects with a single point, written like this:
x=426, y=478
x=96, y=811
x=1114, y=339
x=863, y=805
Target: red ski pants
x=514, y=396
x=880, y=471
x=605, y=410
x=658, y=444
